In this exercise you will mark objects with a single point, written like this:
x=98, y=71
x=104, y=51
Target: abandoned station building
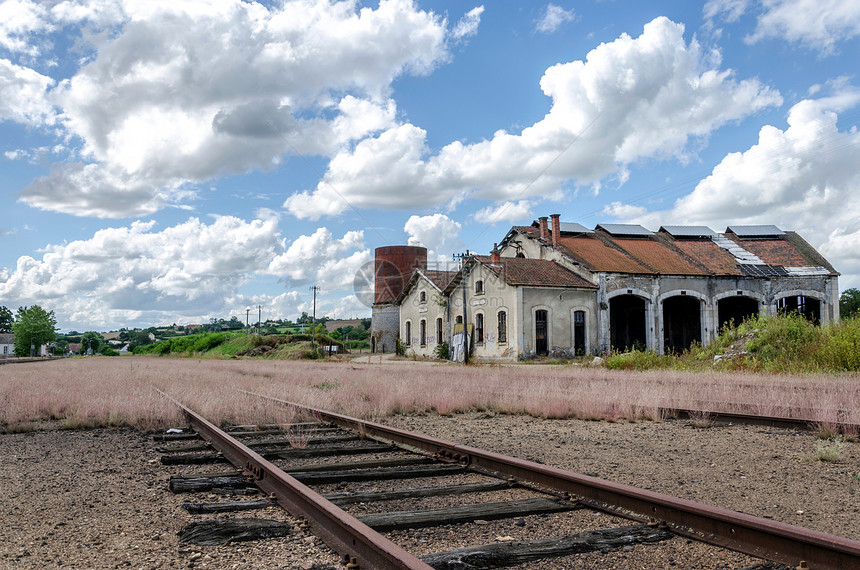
x=561, y=289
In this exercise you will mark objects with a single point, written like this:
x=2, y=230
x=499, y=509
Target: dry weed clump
x=119, y=391
x=829, y=451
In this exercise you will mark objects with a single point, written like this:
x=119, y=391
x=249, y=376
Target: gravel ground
x=99, y=499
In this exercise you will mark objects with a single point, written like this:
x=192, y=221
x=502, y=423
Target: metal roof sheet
x=573, y=228
x=755, y=231
x=688, y=231
x=625, y=230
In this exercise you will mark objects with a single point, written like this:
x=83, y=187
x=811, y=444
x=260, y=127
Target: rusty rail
x=353, y=540
x=778, y=542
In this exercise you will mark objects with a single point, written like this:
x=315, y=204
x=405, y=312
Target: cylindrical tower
x=393, y=266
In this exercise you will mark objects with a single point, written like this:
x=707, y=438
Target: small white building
x=7, y=345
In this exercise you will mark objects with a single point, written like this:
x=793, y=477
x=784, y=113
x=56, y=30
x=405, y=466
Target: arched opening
x=579, y=333
x=682, y=323
x=541, y=340
x=735, y=309
x=627, y=323
x=809, y=307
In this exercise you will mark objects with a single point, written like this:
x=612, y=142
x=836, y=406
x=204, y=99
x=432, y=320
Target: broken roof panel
x=778, y=252
x=688, y=231
x=755, y=231
x=625, y=230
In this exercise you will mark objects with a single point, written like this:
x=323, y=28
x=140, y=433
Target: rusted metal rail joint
x=778, y=542
x=356, y=542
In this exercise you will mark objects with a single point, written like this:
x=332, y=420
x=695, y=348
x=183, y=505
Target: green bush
x=638, y=360
x=442, y=351
x=839, y=346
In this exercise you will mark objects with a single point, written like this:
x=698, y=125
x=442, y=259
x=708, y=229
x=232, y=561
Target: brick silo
x=393, y=266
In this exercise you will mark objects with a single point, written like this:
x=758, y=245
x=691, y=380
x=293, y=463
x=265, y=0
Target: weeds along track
x=381, y=497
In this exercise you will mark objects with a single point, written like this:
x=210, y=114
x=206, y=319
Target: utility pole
x=259, y=318
x=315, y=289
x=247, y=323
x=463, y=257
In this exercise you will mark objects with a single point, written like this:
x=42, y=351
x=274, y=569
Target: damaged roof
x=761, y=251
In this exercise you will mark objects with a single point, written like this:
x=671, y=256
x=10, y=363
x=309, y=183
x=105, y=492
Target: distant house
x=7, y=345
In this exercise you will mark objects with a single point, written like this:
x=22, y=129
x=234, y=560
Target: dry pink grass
x=118, y=391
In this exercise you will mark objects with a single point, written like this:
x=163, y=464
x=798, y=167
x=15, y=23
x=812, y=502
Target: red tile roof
x=774, y=251
x=714, y=258
x=534, y=273
x=596, y=255
x=439, y=278
x=658, y=256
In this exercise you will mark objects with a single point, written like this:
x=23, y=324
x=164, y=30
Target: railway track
x=362, y=487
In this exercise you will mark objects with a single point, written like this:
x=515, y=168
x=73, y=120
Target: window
x=479, y=287
x=479, y=328
x=408, y=338
x=459, y=319
x=579, y=333
x=422, y=327
x=438, y=330
x=423, y=296
x=503, y=326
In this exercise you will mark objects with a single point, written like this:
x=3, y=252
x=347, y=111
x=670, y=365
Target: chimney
x=556, y=229
x=544, y=232
x=495, y=258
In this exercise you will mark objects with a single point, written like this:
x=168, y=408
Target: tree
x=33, y=327
x=139, y=338
x=6, y=320
x=91, y=340
x=849, y=303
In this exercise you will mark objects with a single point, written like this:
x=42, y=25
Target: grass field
x=98, y=391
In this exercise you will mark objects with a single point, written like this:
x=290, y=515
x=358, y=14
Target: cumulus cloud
x=631, y=99
x=199, y=90
x=322, y=259
x=553, y=17
x=437, y=232
x=18, y=18
x=124, y=273
x=818, y=25
x=506, y=212
x=23, y=95
x=791, y=178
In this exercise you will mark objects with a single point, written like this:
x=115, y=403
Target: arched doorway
x=809, y=307
x=682, y=323
x=627, y=323
x=736, y=309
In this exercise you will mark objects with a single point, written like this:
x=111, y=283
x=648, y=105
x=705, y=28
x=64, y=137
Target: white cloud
x=135, y=272
x=818, y=25
x=553, y=18
x=23, y=95
x=223, y=88
x=468, y=24
x=791, y=178
x=321, y=259
x=437, y=232
x=630, y=99
x=17, y=19
x=506, y=212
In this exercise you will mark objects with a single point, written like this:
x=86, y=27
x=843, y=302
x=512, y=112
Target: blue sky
x=168, y=162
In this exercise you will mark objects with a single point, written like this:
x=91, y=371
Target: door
x=541, y=347
x=579, y=333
